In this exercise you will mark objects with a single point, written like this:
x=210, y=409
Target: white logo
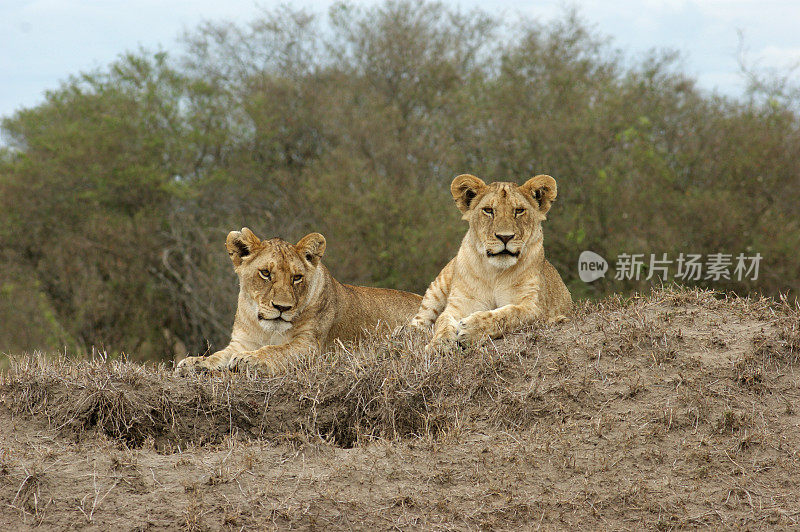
x=591, y=266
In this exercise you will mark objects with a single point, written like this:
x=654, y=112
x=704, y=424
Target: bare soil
x=675, y=410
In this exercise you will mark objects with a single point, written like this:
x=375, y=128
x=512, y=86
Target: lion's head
x=279, y=278
x=504, y=218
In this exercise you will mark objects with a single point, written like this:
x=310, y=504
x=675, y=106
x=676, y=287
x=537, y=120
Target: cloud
x=779, y=57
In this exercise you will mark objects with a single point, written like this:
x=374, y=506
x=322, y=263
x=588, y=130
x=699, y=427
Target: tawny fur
x=290, y=305
x=500, y=280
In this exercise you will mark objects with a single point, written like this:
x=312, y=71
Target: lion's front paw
x=240, y=361
x=441, y=342
x=191, y=365
x=474, y=328
x=248, y=360
x=420, y=324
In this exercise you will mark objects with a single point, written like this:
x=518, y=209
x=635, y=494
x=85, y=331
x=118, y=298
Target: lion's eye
x=488, y=210
x=297, y=278
x=265, y=274
x=519, y=212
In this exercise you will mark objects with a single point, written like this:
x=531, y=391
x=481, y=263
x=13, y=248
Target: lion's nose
x=504, y=237
x=281, y=308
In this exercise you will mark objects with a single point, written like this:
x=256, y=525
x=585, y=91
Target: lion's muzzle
x=505, y=251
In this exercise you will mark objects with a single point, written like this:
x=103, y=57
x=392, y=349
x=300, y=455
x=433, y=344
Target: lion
x=289, y=305
x=499, y=280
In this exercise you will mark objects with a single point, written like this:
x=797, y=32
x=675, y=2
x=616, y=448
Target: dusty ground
x=676, y=410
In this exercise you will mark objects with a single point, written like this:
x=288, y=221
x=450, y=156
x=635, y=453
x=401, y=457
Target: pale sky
x=44, y=41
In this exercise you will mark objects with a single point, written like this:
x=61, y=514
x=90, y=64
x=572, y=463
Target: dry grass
x=380, y=389
x=673, y=410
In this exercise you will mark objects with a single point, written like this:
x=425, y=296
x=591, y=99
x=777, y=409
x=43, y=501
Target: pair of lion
x=289, y=304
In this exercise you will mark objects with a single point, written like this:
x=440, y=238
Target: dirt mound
x=672, y=410
x=382, y=389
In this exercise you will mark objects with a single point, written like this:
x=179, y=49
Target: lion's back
x=394, y=307
x=364, y=308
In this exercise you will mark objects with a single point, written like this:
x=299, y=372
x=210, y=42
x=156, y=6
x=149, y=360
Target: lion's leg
x=218, y=360
x=435, y=299
x=446, y=326
x=445, y=330
x=495, y=323
x=274, y=359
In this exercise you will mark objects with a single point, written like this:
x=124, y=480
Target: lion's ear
x=542, y=189
x=240, y=244
x=465, y=188
x=312, y=247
